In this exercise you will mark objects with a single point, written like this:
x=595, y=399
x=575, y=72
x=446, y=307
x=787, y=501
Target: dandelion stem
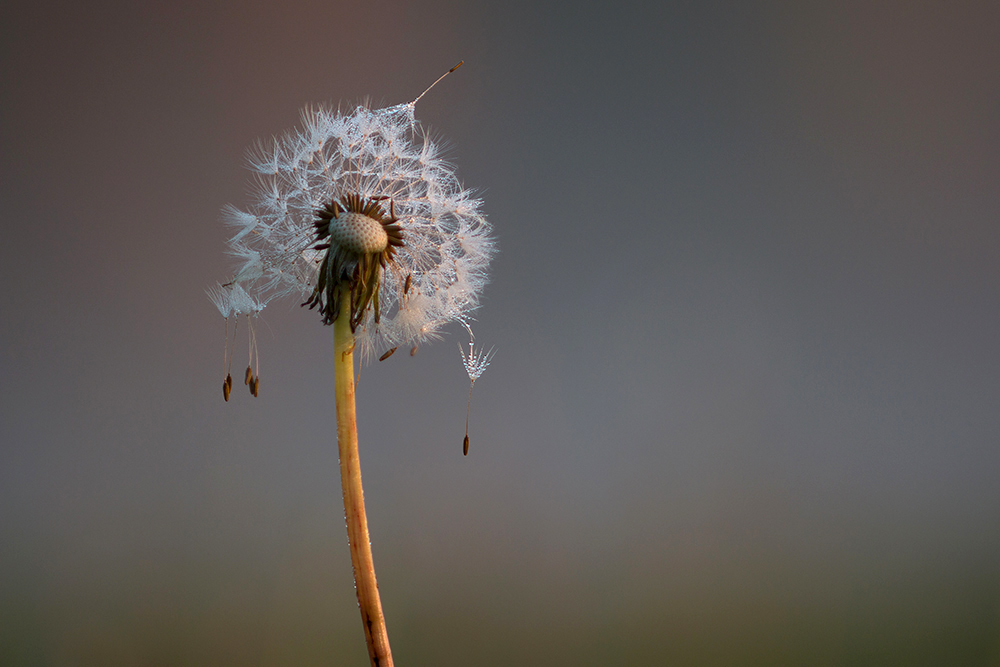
x=354, y=500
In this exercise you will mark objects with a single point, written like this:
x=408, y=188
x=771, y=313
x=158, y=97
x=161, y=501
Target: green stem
x=354, y=499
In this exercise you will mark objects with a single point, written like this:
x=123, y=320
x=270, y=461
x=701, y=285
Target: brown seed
x=256, y=386
x=406, y=286
x=387, y=354
x=229, y=381
x=248, y=376
x=413, y=351
x=225, y=391
x=465, y=445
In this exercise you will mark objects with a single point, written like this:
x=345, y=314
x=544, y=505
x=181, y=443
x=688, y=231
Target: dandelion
x=362, y=202
x=358, y=215
x=475, y=363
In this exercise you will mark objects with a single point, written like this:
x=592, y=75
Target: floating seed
x=229, y=381
x=387, y=354
x=225, y=391
x=413, y=351
x=248, y=377
x=406, y=286
x=465, y=446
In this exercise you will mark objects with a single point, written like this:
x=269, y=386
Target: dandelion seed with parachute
x=475, y=363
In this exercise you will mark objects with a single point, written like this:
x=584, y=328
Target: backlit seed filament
x=468, y=407
x=253, y=359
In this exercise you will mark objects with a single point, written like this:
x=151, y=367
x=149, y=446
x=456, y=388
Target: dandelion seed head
x=362, y=199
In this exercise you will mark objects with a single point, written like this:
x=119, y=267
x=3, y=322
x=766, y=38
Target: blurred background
x=745, y=408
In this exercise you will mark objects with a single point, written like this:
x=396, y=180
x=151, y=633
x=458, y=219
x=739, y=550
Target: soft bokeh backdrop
x=746, y=404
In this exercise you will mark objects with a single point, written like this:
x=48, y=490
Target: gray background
x=746, y=403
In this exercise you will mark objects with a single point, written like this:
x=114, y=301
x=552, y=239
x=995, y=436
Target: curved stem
x=354, y=500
